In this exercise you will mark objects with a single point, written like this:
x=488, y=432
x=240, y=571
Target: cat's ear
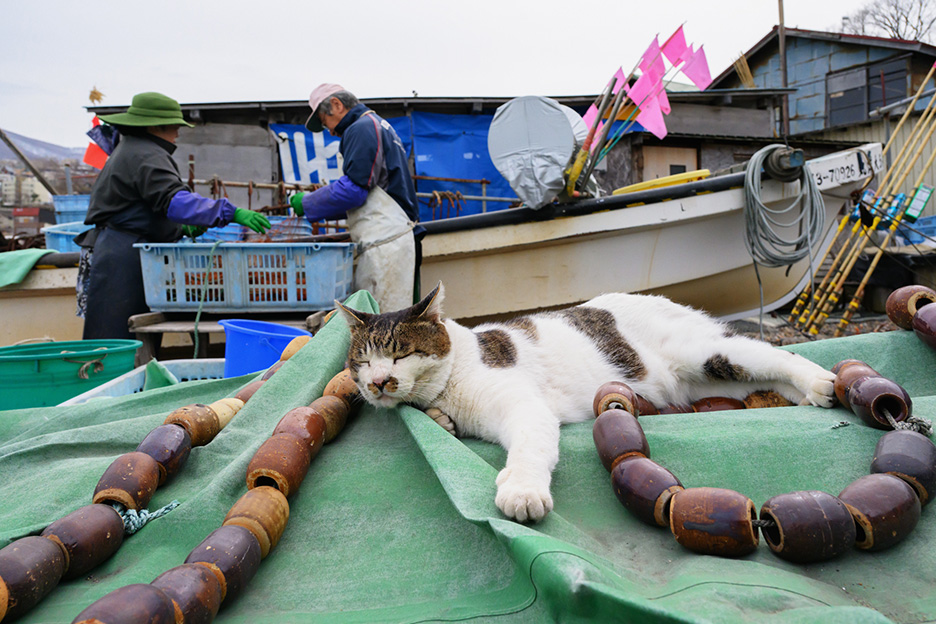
x=430, y=308
x=353, y=318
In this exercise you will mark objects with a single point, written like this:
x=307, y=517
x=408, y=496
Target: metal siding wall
x=875, y=133
x=233, y=152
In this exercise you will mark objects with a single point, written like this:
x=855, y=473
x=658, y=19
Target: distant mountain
x=36, y=149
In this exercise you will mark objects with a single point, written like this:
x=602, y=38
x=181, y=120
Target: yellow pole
x=856, y=299
x=831, y=298
x=811, y=315
x=803, y=313
x=910, y=108
x=915, y=134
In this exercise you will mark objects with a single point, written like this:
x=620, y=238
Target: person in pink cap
x=375, y=194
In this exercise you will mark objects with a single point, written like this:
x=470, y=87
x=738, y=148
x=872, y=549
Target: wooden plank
x=138, y=321
x=204, y=326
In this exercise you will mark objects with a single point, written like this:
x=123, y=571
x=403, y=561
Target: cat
x=515, y=383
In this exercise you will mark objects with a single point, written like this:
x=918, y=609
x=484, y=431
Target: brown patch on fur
x=526, y=325
x=599, y=326
x=765, y=398
x=397, y=334
x=497, y=349
x=719, y=367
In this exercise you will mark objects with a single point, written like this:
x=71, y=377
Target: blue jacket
x=373, y=156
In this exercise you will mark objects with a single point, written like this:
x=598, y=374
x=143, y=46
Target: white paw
x=522, y=497
x=821, y=390
x=442, y=419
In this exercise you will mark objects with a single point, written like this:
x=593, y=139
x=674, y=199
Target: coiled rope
x=805, y=216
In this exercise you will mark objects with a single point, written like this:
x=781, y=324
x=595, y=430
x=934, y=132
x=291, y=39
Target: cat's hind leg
x=798, y=379
x=530, y=433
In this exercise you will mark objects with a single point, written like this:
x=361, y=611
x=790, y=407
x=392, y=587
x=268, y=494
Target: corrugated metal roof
x=723, y=97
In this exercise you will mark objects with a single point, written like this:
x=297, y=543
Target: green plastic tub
x=37, y=375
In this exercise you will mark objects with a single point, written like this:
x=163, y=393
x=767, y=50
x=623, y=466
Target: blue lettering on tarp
x=306, y=157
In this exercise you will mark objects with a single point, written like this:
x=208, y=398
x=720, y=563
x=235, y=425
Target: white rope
x=765, y=245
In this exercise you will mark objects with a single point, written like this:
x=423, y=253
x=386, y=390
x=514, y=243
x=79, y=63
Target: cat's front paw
x=821, y=390
x=522, y=497
x=442, y=419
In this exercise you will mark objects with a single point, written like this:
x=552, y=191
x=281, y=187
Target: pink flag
x=649, y=86
x=621, y=79
x=651, y=118
x=652, y=60
x=592, y=112
x=696, y=69
x=674, y=47
x=590, y=115
x=652, y=63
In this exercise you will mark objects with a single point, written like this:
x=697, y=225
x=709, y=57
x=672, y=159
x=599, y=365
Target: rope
x=135, y=520
x=912, y=423
x=201, y=298
x=764, y=244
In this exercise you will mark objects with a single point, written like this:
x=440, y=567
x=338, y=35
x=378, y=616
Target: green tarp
x=396, y=522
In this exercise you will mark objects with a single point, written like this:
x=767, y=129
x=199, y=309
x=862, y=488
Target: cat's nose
x=379, y=382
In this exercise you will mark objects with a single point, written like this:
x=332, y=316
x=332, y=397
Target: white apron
x=386, y=251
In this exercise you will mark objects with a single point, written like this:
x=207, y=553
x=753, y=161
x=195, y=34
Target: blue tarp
x=444, y=146
x=449, y=146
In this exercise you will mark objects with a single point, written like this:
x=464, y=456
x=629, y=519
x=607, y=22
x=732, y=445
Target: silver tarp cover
x=531, y=141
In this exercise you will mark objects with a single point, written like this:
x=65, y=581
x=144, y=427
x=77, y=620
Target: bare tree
x=897, y=19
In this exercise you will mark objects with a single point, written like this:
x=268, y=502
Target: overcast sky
x=53, y=52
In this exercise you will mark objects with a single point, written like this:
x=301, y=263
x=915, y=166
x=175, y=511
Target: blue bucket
x=251, y=346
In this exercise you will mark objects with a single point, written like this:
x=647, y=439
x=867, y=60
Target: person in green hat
x=140, y=197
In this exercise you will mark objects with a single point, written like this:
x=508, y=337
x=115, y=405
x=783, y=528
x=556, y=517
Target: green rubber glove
x=254, y=220
x=193, y=231
x=296, y=202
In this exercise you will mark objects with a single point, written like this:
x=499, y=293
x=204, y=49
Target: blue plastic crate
x=246, y=277
x=70, y=208
x=281, y=228
x=922, y=228
x=132, y=382
x=60, y=237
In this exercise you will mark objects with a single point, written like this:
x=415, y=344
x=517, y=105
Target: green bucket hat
x=149, y=109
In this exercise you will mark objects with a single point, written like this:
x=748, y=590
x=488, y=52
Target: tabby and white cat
x=515, y=383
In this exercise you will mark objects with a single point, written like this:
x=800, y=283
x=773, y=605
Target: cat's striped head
x=394, y=357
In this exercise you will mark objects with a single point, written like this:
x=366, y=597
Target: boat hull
x=691, y=249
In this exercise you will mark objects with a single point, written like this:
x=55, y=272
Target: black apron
x=115, y=287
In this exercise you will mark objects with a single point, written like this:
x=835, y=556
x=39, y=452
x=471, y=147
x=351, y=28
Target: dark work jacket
x=133, y=191
x=362, y=164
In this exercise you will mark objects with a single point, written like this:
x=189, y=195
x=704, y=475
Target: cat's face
x=393, y=356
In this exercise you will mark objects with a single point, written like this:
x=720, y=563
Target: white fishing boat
x=686, y=242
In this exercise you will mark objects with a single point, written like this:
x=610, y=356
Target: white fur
x=556, y=376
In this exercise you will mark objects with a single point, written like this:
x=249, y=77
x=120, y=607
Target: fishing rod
x=801, y=302
x=851, y=245
x=615, y=109
x=837, y=285
x=575, y=170
x=910, y=108
x=895, y=223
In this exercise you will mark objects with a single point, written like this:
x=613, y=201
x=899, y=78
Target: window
x=675, y=169
x=851, y=94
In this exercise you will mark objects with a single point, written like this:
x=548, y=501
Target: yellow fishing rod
x=918, y=206
x=801, y=311
x=831, y=298
x=812, y=318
